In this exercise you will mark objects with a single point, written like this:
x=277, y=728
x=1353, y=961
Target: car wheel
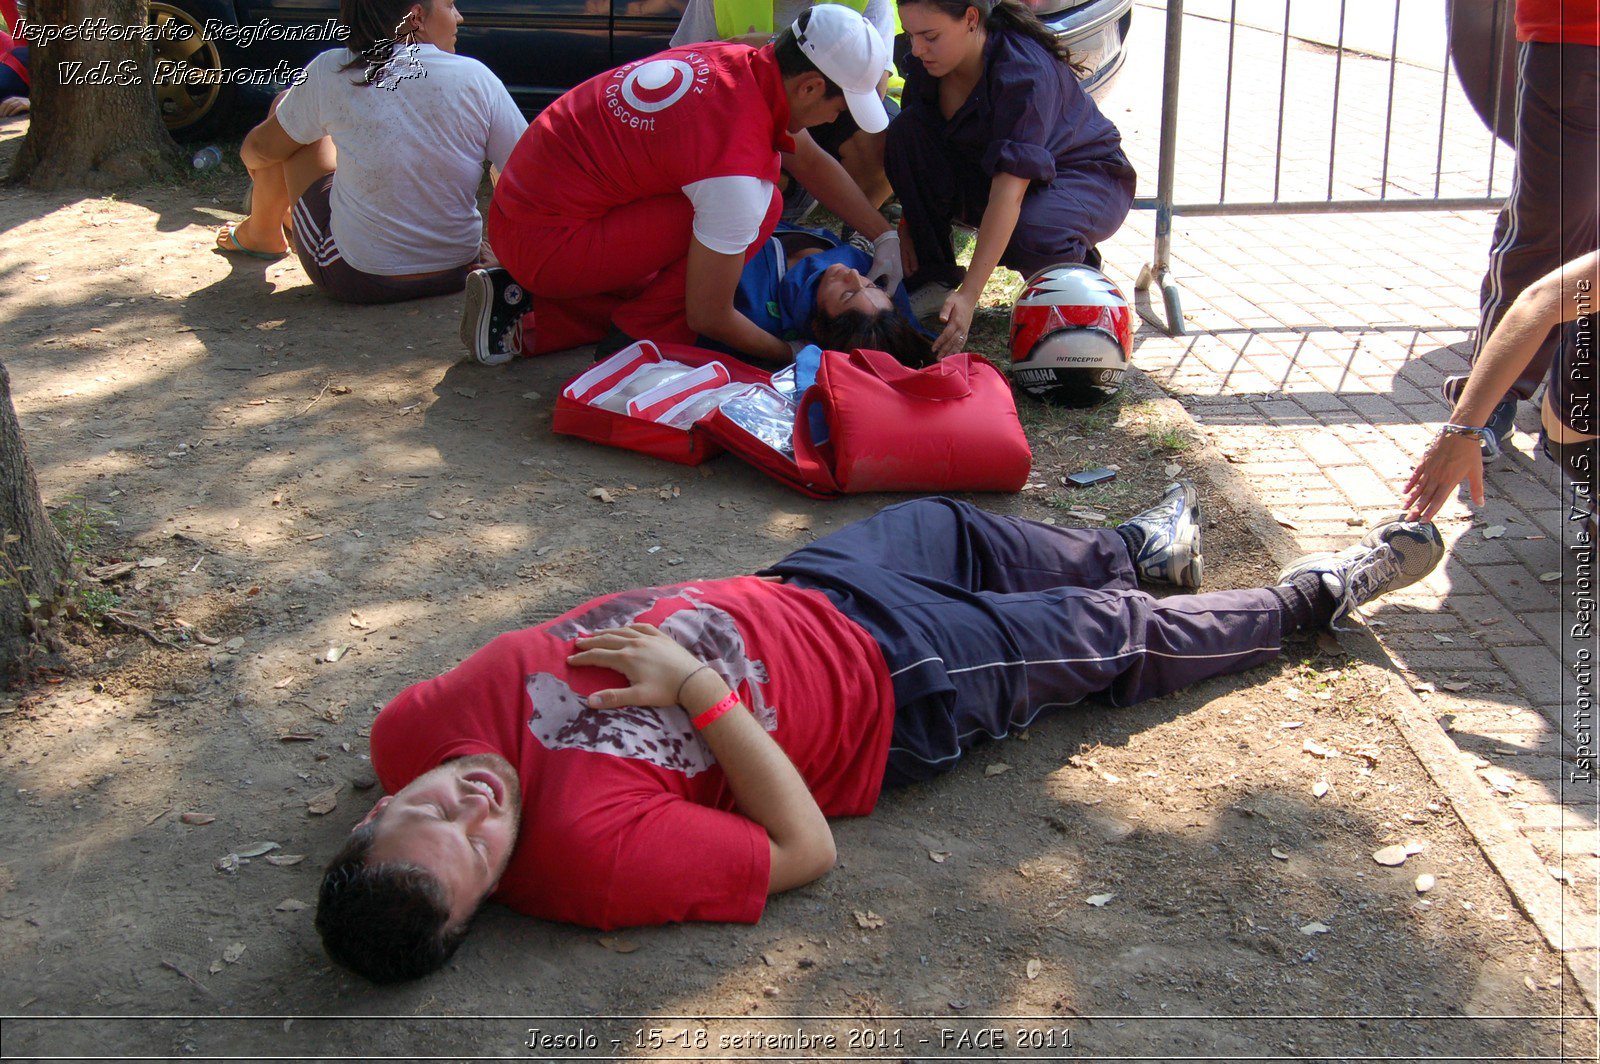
x=191, y=92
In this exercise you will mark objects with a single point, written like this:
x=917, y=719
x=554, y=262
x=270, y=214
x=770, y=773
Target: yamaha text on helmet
x=1071, y=335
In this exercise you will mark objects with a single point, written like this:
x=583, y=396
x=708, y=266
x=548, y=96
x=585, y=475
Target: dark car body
x=539, y=48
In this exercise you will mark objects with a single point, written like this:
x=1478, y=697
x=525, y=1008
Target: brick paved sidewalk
x=1314, y=354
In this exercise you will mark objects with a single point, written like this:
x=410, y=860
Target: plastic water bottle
x=209, y=157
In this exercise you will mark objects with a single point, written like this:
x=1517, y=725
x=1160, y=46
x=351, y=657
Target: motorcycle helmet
x=1071, y=336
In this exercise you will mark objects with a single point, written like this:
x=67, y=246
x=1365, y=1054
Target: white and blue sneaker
x=491, y=318
x=1395, y=554
x=1168, y=538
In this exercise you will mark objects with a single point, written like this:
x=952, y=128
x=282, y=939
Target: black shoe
x=614, y=341
x=492, y=317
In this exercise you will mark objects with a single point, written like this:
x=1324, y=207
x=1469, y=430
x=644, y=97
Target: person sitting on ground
x=15, y=81
x=371, y=163
x=673, y=753
x=630, y=206
x=995, y=132
x=807, y=285
x=1562, y=300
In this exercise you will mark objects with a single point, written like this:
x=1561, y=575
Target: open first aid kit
x=833, y=423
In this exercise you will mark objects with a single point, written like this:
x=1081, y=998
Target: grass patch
x=1061, y=422
x=83, y=527
x=1118, y=499
x=1168, y=439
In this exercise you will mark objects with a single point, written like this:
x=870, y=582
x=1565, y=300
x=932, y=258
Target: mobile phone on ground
x=1090, y=476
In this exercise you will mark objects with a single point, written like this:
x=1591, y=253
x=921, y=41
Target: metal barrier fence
x=1157, y=273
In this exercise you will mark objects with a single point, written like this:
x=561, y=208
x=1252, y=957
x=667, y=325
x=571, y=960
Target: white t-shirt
x=411, y=154
x=699, y=22
x=728, y=211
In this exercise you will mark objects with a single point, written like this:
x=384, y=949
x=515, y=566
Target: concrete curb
x=1534, y=890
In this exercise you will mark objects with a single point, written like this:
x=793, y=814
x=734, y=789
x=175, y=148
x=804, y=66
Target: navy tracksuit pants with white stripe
x=986, y=621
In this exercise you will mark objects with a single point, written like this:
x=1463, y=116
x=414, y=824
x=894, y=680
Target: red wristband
x=716, y=711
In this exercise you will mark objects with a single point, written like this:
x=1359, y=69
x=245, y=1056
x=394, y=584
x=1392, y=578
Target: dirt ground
x=299, y=482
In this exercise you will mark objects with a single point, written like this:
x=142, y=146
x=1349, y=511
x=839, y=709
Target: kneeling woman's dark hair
x=386, y=922
x=1012, y=15
x=883, y=330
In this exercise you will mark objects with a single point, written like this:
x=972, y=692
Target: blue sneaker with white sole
x=1168, y=538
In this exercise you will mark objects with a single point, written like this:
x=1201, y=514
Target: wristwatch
x=1487, y=440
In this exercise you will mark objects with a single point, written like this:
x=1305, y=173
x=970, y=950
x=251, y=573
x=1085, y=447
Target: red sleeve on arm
x=452, y=715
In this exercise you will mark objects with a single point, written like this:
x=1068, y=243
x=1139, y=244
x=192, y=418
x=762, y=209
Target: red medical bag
x=882, y=426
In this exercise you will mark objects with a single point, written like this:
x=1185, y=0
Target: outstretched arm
x=994, y=233
x=765, y=784
x=821, y=175
x=1543, y=305
x=712, y=280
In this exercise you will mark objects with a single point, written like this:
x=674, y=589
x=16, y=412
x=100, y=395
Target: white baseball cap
x=846, y=48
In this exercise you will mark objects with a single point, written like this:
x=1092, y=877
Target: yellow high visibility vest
x=735, y=18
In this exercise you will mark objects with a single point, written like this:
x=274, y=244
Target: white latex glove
x=887, y=270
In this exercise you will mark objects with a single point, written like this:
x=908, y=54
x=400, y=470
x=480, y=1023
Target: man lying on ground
x=1562, y=299
x=673, y=753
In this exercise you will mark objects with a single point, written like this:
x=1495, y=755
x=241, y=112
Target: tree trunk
x=94, y=119
x=33, y=556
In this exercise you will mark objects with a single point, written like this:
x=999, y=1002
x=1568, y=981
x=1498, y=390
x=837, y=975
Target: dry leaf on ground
x=323, y=802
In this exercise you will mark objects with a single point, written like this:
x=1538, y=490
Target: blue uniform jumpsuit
x=1027, y=116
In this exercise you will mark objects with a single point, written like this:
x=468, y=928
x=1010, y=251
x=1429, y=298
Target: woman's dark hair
x=1010, y=15
x=375, y=31
x=882, y=330
x=386, y=922
x=792, y=61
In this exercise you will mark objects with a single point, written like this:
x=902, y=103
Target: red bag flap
x=813, y=461
x=811, y=480
x=946, y=379
x=576, y=416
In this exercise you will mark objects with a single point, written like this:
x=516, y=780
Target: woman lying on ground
x=376, y=155
x=807, y=286
x=995, y=132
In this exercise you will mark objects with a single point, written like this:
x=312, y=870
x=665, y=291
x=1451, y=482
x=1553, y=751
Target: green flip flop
x=234, y=247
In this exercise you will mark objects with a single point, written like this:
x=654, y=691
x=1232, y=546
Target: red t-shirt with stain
x=626, y=817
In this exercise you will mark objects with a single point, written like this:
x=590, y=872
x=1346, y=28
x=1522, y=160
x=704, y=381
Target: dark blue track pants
x=986, y=621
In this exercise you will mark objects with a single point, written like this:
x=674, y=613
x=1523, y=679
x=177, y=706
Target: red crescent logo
x=657, y=85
